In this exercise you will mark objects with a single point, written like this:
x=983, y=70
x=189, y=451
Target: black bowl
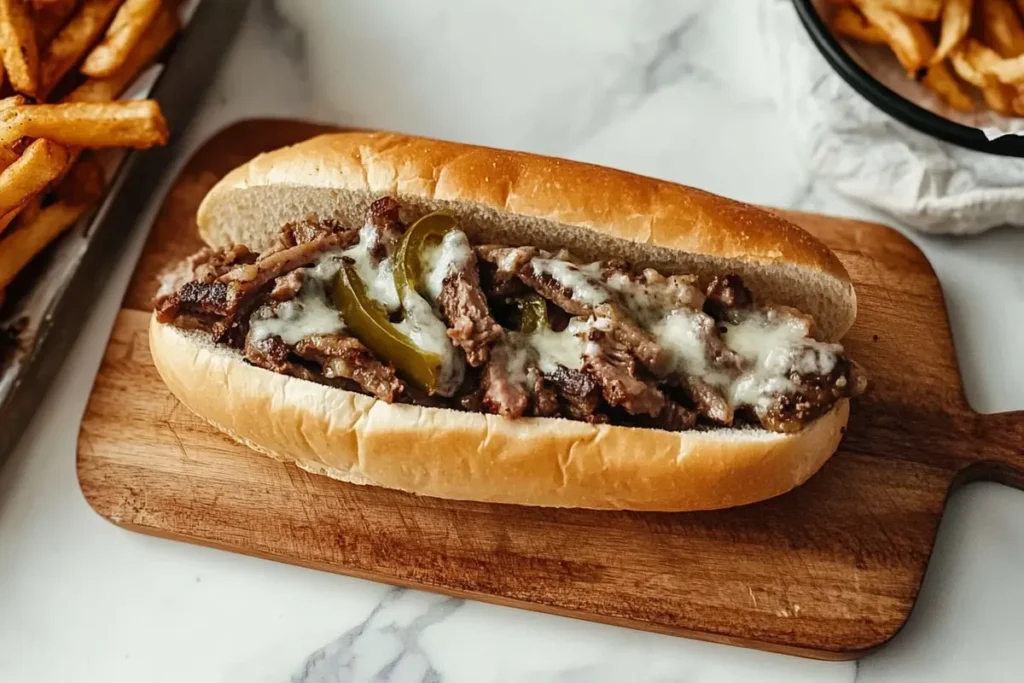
x=894, y=104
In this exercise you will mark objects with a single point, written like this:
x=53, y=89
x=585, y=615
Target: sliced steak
x=709, y=401
x=346, y=357
x=294, y=234
x=288, y=286
x=465, y=310
x=725, y=296
x=502, y=395
x=384, y=228
x=545, y=398
x=578, y=293
x=580, y=393
x=814, y=395
x=614, y=366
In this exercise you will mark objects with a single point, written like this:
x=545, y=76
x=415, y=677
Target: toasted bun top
x=526, y=199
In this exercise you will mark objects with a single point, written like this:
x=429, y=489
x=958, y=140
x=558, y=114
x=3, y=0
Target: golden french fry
x=928, y=10
x=73, y=41
x=42, y=162
x=153, y=41
x=12, y=101
x=18, y=40
x=129, y=24
x=1000, y=27
x=51, y=17
x=847, y=21
x=22, y=245
x=944, y=84
x=907, y=37
x=965, y=65
x=31, y=209
x=1009, y=71
x=138, y=124
x=999, y=98
x=956, y=21
x=83, y=183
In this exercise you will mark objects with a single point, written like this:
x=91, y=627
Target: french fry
x=1000, y=27
x=7, y=153
x=75, y=195
x=51, y=17
x=124, y=33
x=1017, y=103
x=73, y=41
x=972, y=60
x=927, y=10
x=153, y=41
x=138, y=124
x=847, y=21
x=1009, y=71
x=956, y=21
x=907, y=37
x=18, y=40
x=21, y=246
x=944, y=84
x=42, y=162
x=999, y=98
x=28, y=213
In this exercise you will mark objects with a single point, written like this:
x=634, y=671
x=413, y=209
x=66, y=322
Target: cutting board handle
x=1000, y=455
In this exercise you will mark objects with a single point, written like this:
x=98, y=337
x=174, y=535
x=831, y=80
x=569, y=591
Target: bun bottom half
x=471, y=456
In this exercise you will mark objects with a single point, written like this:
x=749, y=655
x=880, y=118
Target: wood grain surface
x=830, y=570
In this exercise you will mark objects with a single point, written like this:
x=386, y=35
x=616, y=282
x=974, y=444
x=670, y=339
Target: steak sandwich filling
x=418, y=314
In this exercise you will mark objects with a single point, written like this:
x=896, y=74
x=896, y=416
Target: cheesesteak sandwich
x=469, y=323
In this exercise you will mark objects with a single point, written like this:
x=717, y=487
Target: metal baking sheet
x=52, y=301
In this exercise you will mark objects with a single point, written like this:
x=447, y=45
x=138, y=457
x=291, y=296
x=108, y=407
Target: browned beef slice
x=194, y=297
x=245, y=280
x=709, y=401
x=614, y=366
x=580, y=392
x=274, y=355
x=383, y=215
x=500, y=394
x=814, y=396
x=288, y=285
x=545, y=398
x=500, y=285
x=470, y=325
x=204, y=267
x=301, y=232
x=674, y=417
x=725, y=295
x=346, y=357
x=628, y=333
x=270, y=353
x=624, y=328
x=508, y=260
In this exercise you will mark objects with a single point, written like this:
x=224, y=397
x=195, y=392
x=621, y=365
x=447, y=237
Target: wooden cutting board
x=830, y=570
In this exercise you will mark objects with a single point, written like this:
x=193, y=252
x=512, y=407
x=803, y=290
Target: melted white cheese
x=310, y=312
x=422, y=326
x=561, y=348
x=773, y=349
x=451, y=255
x=583, y=286
x=378, y=278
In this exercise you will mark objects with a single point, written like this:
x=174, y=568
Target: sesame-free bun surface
x=524, y=199
x=473, y=456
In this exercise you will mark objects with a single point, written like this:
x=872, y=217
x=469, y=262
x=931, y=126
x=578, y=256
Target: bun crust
x=525, y=199
x=472, y=456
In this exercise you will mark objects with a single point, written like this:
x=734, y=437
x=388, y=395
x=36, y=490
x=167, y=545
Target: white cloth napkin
x=867, y=155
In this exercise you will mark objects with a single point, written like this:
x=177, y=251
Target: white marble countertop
x=676, y=90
